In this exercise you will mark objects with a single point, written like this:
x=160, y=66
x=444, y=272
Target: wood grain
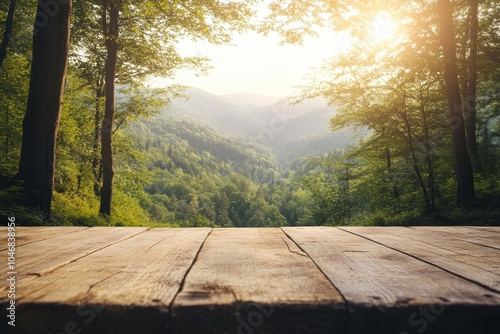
x=390, y=292
x=466, y=234
x=256, y=281
x=124, y=288
x=495, y=229
x=28, y=234
x=293, y=280
x=473, y=262
x=40, y=257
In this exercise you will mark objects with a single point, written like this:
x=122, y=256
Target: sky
x=256, y=64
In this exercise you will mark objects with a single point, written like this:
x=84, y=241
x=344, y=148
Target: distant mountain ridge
x=252, y=99
x=290, y=131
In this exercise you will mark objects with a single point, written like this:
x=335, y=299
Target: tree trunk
x=464, y=174
x=8, y=30
x=471, y=119
x=41, y=122
x=428, y=157
x=489, y=162
x=99, y=93
x=96, y=157
x=414, y=159
x=394, y=188
x=7, y=131
x=111, y=34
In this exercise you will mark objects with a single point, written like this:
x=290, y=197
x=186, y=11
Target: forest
x=86, y=141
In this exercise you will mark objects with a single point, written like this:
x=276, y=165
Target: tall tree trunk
x=8, y=30
x=387, y=152
x=464, y=174
x=100, y=93
x=394, y=188
x=347, y=193
x=111, y=34
x=96, y=156
x=471, y=120
x=462, y=61
x=414, y=159
x=41, y=122
x=428, y=157
x=489, y=163
x=7, y=131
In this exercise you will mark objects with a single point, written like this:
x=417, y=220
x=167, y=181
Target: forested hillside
x=401, y=127
x=290, y=131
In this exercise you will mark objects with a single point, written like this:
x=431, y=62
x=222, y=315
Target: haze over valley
x=290, y=132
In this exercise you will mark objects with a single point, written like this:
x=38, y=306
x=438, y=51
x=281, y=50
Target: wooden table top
x=253, y=280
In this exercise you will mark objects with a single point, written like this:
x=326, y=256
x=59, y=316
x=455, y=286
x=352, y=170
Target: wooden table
x=239, y=281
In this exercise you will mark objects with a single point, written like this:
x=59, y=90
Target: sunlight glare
x=382, y=27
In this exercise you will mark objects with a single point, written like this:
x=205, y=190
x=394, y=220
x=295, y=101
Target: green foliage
x=71, y=209
x=179, y=171
x=387, y=217
x=15, y=202
x=14, y=79
x=203, y=178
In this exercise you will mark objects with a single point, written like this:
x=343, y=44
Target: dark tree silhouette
x=464, y=174
x=471, y=119
x=41, y=121
x=111, y=33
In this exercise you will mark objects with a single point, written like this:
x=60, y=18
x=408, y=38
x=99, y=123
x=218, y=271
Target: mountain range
x=289, y=131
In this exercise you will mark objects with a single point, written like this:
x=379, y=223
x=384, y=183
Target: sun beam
x=382, y=27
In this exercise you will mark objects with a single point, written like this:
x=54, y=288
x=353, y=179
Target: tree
x=14, y=82
x=471, y=119
x=465, y=177
x=111, y=36
x=88, y=56
x=8, y=30
x=74, y=139
x=419, y=21
x=41, y=121
x=375, y=87
x=221, y=206
x=149, y=32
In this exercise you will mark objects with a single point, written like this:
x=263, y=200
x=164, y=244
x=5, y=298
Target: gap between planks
x=107, y=281
x=239, y=270
x=468, y=279
x=346, y=303
x=387, y=288
x=183, y=281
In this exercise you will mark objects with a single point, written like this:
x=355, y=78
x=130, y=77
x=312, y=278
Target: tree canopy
x=419, y=83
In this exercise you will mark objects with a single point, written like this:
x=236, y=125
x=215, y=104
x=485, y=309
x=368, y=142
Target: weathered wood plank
x=124, y=288
x=256, y=281
x=49, y=254
x=479, y=237
x=463, y=241
x=471, y=261
x=495, y=229
x=390, y=292
x=28, y=234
